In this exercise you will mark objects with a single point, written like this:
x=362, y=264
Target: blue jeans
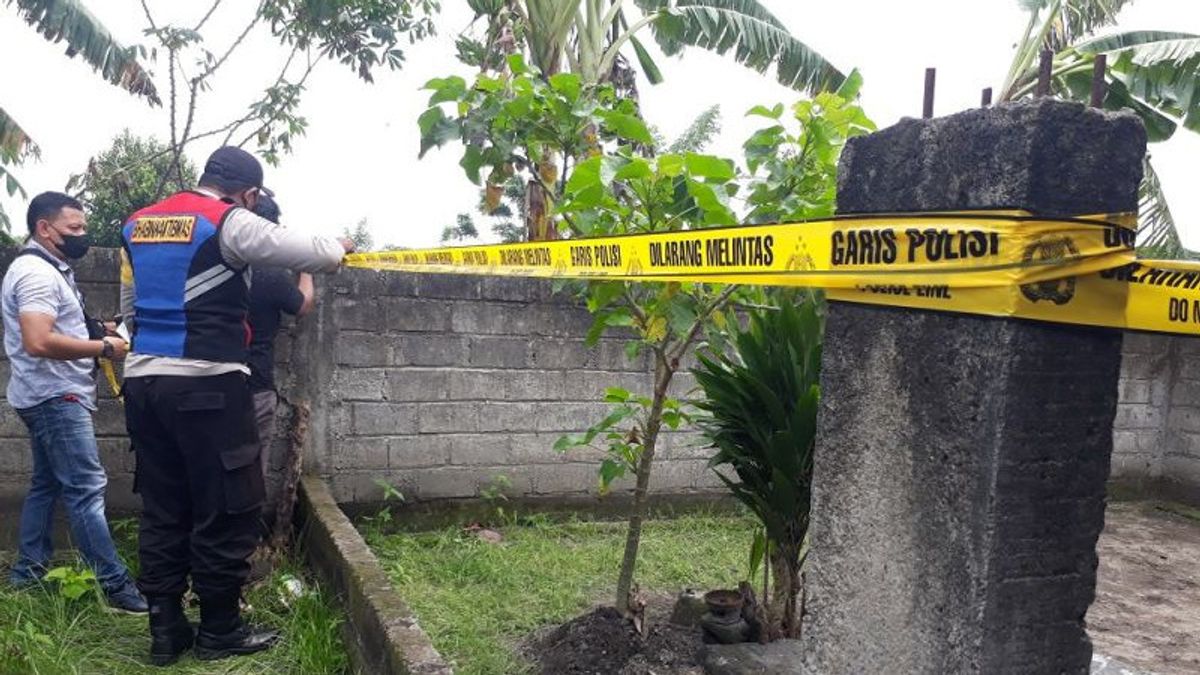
x=66, y=463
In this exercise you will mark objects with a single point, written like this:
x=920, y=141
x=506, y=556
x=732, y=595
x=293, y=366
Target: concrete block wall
x=437, y=385
x=415, y=380
x=1156, y=434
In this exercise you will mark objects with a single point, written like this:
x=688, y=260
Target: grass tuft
x=44, y=633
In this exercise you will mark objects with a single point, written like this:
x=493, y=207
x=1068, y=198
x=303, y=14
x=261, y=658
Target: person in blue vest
x=51, y=346
x=188, y=409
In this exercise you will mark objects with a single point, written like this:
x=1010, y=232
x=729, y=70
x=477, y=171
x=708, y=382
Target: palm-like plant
x=588, y=36
x=761, y=404
x=1156, y=74
x=86, y=37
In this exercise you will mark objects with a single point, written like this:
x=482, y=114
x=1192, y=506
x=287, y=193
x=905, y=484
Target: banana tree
x=69, y=20
x=1156, y=74
x=15, y=147
x=590, y=38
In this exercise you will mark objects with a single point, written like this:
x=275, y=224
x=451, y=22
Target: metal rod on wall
x=1099, y=83
x=1043, y=83
x=930, y=81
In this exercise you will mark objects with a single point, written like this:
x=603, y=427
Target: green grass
x=476, y=600
x=1180, y=510
x=43, y=633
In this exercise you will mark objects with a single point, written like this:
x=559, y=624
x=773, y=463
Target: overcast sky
x=359, y=158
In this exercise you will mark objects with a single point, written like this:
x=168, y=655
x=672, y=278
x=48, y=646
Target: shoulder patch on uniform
x=163, y=230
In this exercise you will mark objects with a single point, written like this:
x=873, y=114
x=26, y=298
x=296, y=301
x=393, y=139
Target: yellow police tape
x=999, y=263
x=110, y=374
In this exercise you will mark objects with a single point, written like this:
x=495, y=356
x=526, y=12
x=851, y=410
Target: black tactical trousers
x=201, y=485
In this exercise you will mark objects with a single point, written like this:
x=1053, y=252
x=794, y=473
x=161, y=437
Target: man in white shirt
x=53, y=389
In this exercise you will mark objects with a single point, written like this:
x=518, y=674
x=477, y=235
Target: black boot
x=170, y=632
x=223, y=634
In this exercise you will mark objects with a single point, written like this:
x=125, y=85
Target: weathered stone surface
x=383, y=419
x=382, y=634
x=953, y=449
x=1028, y=155
x=498, y=352
x=402, y=315
x=365, y=350
x=448, y=286
x=418, y=384
x=782, y=657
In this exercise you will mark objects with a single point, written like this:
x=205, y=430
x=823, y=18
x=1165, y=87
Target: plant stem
x=1019, y=64
x=1029, y=49
x=610, y=54
x=633, y=538
x=666, y=363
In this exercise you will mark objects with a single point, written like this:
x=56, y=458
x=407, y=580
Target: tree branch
x=197, y=137
x=216, y=3
x=149, y=18
x=162, y=180
x=634, y=308
x=234, y=126
x=236, y=43
x=187, y=129
x=275, y=115
x=691, y=336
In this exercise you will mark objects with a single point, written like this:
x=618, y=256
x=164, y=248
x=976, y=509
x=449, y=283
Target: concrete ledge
x=381, y=635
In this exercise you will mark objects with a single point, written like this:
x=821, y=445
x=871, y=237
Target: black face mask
x=74, y=246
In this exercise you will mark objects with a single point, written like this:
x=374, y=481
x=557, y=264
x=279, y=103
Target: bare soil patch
x=1147, y=608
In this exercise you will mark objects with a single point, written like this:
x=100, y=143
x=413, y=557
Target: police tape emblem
x=1049, y=251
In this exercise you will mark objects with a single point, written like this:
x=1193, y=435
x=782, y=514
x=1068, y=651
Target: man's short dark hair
x=47, y=206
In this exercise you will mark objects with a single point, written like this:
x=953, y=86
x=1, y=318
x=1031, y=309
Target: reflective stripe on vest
x=189, y=303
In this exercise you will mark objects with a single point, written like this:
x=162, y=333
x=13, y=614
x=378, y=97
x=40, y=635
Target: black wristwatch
x=106, y=352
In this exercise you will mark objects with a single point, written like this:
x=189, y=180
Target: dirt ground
x=1147, y=608
x=1146, y=613
x=601, y=642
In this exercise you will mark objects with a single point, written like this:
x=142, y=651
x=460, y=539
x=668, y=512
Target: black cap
x=233, y=170
x=267, y=208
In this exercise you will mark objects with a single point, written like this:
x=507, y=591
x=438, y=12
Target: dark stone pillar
x=961, y=462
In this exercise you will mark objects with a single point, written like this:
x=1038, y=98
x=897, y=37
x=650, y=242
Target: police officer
x=187, y=405
x=273, y=292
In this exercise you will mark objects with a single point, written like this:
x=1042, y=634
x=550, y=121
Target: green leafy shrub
x=72, y=583
x=760, y=410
